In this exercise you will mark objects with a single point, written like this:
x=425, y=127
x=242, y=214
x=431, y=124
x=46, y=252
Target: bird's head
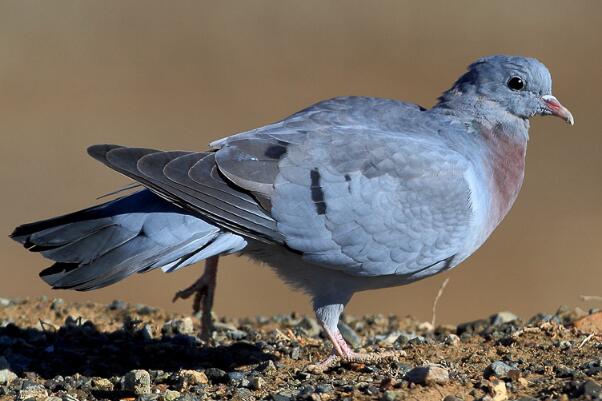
x=521, y=86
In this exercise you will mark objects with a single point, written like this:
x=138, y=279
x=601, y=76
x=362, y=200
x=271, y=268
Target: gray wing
x=191, y=181
x=356, y=198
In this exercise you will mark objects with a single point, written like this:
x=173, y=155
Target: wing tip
x=100, y=151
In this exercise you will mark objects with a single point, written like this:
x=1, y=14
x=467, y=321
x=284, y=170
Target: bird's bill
x=554, y=108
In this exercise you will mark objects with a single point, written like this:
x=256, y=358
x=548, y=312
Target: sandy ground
x=51, y=348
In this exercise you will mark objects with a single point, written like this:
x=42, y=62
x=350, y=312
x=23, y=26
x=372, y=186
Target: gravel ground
x=57, y=351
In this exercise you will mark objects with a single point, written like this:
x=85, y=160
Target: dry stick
x=437, y=300
x=588, y=298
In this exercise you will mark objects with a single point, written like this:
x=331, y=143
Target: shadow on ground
x=85, y=350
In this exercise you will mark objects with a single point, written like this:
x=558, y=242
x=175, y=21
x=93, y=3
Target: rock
x=590, y=324
x=310, y=326
x=256, y=383
x=391, y=395
x=118, y=305
x=237, y=335
x=216, y=375
x=430, y=374
x=102, y=384
x=35, y=392
x=178, y=326
x=403, y=338
x=238, y=379
x=7, y=377
x=267, y=367
x=137, y=381
x=53, y=398
x=170, y=395
x=426, y=327
x=502, y=370
x=147, y=332
x=497, y=389
x=349, y=335
x=243, y=394
x=195, y=377
x=283, y=396
x=324, y=388
x=452, y=398
x=475, y=326
x=452, y=339
x=502, y=317
x=390, y=338
x=5, y=302
x=591, y=388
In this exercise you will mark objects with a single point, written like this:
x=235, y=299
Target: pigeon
x=347, y=195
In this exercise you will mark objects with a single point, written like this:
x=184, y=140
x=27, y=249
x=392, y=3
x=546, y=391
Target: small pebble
x=216, y=375
x=171, y=395
x=194, y=377
x=501, y=370
x=137, y=381
x=502, y=317
x=430, y=374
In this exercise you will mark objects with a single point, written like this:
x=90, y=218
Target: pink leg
x=342, y=353
x=204, y=292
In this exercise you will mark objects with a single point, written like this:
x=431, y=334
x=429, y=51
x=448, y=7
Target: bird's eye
x=516, y=83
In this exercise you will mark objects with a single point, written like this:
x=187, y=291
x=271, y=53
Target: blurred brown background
x=176, y=75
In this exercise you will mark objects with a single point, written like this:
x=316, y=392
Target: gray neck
x=480, y=112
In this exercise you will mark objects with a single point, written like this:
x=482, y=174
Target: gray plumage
x=352, y=193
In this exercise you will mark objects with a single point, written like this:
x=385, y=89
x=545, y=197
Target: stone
x=102, y=384
x=237, y=335
x=310, y=326
x=171, y=395
x=430, y=374
x=137, y=381
x=591, y=388
x=391, y=395
x=147, y=332
x=501, y=370
x=216, y=375
x=118, y=305
x=267, y=367
x=497, y=389
x=35, y=392
x=237, y=379
x=452, y=340
x=53, y=398
x=243, y=394
x=502, y=317
x=256, y=383
x=195, y=377
x=178, y=326
x=452, y=398
x=7, y=377
x=590, y=324
x=350, y=335
x=324, y=388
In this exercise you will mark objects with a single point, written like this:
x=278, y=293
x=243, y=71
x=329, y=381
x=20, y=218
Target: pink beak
x=556, y=109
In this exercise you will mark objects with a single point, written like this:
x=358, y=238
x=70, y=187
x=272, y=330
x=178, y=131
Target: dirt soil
x=52, y=350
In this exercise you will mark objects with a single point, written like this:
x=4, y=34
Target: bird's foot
x=370, y=358
x=203, y=290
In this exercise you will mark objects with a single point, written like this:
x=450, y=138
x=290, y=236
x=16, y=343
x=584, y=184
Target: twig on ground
x=441, y=289
x=585, y=340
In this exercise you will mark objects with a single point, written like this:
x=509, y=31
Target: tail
x=101, y=245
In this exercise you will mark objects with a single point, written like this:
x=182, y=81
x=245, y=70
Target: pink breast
x=507, y=169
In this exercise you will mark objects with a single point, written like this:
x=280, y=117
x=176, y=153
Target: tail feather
x=101, y=245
